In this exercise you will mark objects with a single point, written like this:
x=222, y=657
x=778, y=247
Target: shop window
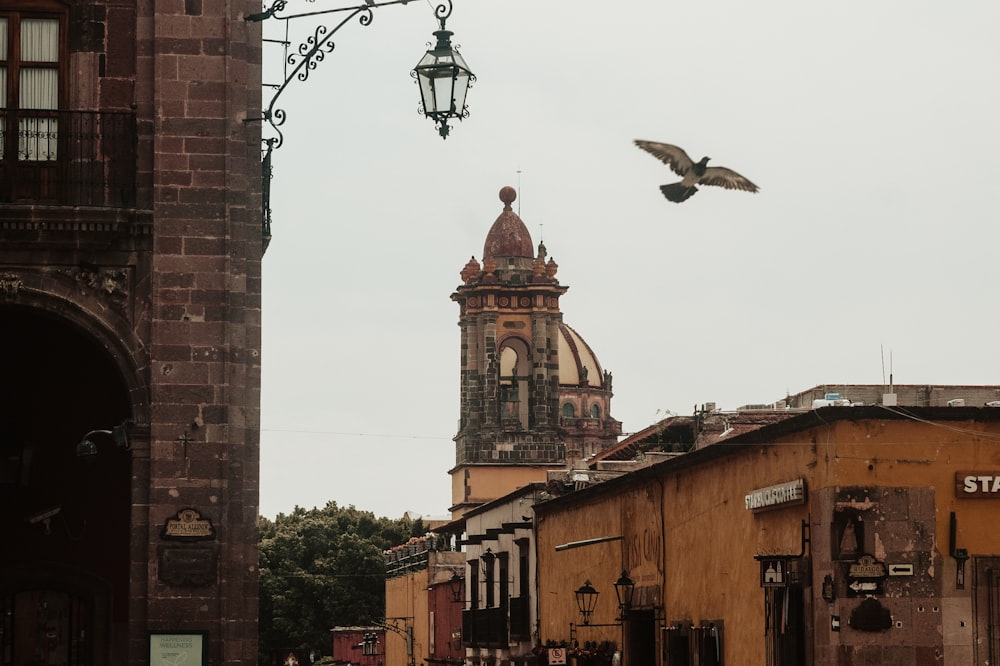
x=677, y=644
x=707, y=644
x=688, y=645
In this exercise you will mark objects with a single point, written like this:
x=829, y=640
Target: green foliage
x=322, y=568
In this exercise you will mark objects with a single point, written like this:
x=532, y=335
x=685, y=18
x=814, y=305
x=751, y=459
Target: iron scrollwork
x=316, y=47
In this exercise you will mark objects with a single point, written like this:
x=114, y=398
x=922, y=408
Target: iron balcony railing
x=68, y=158
x=520, y=619
x=485, y=627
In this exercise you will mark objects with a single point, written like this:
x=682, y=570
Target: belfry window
x=513, y=384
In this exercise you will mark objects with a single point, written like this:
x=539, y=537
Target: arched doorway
x=64, y=570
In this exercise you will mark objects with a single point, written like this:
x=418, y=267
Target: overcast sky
x=871, y=126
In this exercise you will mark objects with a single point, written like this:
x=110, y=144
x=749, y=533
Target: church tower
x=532, y=390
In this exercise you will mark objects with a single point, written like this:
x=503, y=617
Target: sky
x=871, y=127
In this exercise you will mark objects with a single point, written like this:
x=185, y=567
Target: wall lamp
x=442, y=74
x=444, y=78
x=87, y=449
x=457, y=586
x=586, y=599
x=828, y=593
x=624, y=590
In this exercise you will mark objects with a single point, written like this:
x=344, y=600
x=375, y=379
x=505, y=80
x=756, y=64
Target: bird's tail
x=678, y=192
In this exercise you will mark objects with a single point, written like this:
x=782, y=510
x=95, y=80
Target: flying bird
x=692, y=173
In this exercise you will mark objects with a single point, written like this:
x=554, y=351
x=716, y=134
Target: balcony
x=68, y=158
x=485, y=627
x=520, y=619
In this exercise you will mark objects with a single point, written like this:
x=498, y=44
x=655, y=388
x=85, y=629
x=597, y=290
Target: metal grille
x=74, y=158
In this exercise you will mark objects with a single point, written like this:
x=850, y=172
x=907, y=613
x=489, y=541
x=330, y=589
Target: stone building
x=532, y=390
x=130, y=246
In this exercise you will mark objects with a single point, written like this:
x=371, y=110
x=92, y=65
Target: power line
x=353, y=434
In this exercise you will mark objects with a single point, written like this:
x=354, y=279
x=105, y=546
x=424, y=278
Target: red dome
x=508, y=237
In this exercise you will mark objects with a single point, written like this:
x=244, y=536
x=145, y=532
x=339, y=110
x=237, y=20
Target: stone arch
x=119, y=342
x=514, y=381
x=71, y=373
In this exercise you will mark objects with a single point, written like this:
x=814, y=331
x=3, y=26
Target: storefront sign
x=174, y=648
x=188, y=525
x=776, y=497
x=977, y=484
x=773, y=572
x=866, y=576
x=866, y=567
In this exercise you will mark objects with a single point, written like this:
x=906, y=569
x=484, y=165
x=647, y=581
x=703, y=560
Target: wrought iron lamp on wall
x=456, y=584
x=586, y=598
x=443, y=76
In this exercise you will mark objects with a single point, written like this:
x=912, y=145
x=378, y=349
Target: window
x=474, y=587
x=595, y=411
x=31, y=59
x=33, y=124
x=568, y=411
x=503, y=564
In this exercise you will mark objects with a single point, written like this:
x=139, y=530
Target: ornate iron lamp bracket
x=315, y=48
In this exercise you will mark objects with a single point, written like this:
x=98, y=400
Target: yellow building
x=839, y=535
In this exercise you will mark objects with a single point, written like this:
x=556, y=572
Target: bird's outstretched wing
x=727, y=178
x=672, y=156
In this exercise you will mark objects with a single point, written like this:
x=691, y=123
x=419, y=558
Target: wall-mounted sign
x=557, y=656
x=773, y=572
x=866, y=566
x=168, y=648
x=776, y=497
x=977, y=484
x=866, y=576
x=188, y=525
x=900, y=569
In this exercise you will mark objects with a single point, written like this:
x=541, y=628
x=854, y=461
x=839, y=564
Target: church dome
x=508, y=237
x=577, y=360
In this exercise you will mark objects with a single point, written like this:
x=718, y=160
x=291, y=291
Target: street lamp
x=444, y=78
x=624, y=589
x=586, y=599
x=457, y=585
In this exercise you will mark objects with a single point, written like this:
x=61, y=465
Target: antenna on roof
x=881, y=351
x=519, y=195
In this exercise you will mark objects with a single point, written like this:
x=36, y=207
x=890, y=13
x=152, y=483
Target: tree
x=322, y=568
